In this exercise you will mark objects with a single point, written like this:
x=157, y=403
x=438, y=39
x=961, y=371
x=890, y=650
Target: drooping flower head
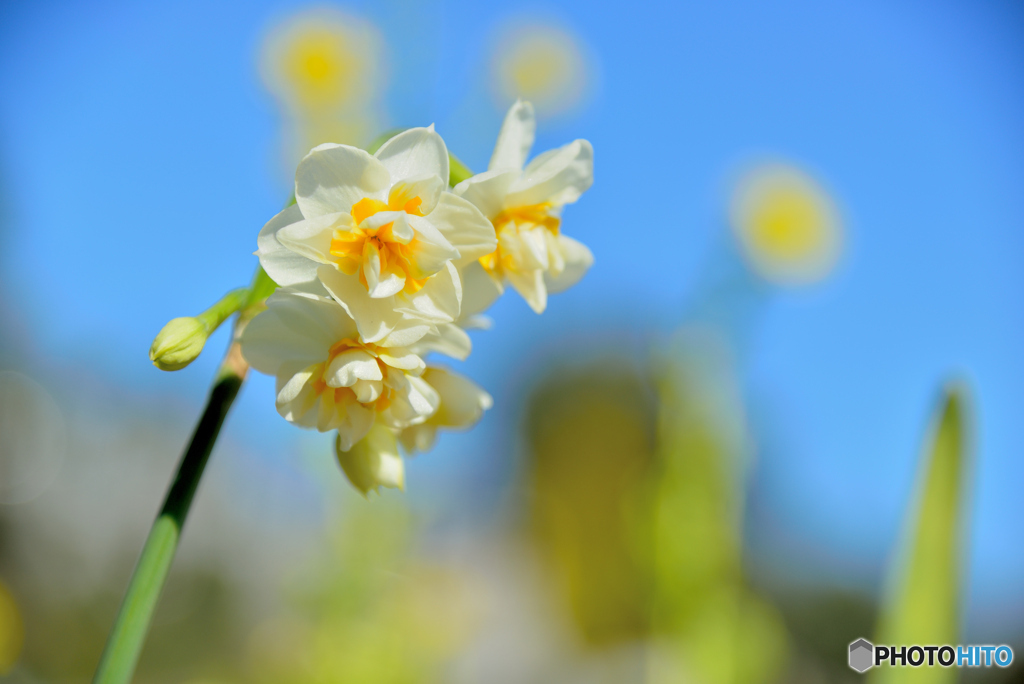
x=381, y=232
x=524, y=203
x=328, y=378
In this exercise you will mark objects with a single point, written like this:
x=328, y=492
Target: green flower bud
x=178, y=344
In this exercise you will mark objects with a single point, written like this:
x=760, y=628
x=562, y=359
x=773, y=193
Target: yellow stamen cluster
x=517, y=221
x=356, y=247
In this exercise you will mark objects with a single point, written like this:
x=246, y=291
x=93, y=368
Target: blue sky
x=138, y=159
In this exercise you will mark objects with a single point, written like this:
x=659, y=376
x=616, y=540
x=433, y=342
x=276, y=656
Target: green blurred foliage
x=368, y=611
x=924, y=607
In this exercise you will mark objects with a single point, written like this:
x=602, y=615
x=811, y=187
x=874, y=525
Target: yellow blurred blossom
x=540, y=63
x=787, y=225
x=12, y=631
x=322, y=59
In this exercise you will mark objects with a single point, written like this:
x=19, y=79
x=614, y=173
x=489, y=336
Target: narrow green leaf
x=924, y=608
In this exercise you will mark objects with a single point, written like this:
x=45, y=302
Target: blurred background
x=702, y=460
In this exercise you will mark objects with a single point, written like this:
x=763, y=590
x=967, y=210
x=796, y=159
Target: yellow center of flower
x=320, y=384
x=354, y=249
x=516, y=221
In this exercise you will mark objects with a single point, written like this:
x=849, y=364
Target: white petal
x=430, y=250
x=368, y=391
x=464, y=227
x=311, y=238
x=577, y=260
x=530, y=284
x=283, y=265
x=283, y=334
x=357, y=422
x=351, y=366
x=439, y=300
x=403, y=359
x=515, y=138
x=462, y=400
x=372, y=462
x=448, y=339
x=375, y=318
x=487, y=190
x=557, y=177
x=381, y=282
x=418, y=438
x=479, y=290
x=331, y=178
x=427, y=188
x=415, y=153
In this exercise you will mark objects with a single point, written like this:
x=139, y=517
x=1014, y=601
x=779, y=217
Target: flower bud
x=178, y=344
x=373, y=461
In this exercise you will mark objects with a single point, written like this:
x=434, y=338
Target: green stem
x=124, y=645
x=223, y=309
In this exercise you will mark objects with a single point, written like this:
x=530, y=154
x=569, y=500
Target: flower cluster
x=380, y=263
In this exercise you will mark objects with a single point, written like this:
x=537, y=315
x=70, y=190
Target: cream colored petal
x=487, y=190
x=283, y=265
x=515, y=138
x=293, y=328
x=331, y=178
x=351, y=366
x=462, y=401
x=448, y=339
x=528, y=248
x=372, y=462
x=577, y=259
x=464, y=227
x=479, y=290
x=413, y=403
x=556, y=177
x=415, y=153
x=376, y=319
x=427, y=188
x=418, y=438
x=356, y=423
x=403, y=359
x=382, y=280
x=530, y=284
x=368, y=391
x=430, y=250
x=311, y=238
x=438, y=301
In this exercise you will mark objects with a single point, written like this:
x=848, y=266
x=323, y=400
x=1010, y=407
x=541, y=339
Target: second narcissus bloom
x=328, y=378
x=524, y=203
x=381, y=232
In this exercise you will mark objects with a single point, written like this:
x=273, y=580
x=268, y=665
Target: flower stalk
x=124, y=645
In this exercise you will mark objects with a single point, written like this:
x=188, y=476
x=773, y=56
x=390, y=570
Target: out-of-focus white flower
x=374, y=461
x=543, y=64
x=462, y=403
x=787, y=225
x=381, y=232
x=330, y=379
x=525, y=206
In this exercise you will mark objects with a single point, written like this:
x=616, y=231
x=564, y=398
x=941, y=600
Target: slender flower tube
x=524, y=203
x=381, y=232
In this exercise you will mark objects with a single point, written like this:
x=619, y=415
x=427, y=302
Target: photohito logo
x=864, y=655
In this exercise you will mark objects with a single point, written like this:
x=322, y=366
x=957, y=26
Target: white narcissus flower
x=525, y=205
x=462, y=403
x=328, y=378
x=381, y=232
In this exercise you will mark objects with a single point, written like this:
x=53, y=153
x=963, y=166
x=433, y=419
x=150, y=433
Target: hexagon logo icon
x=862, y=654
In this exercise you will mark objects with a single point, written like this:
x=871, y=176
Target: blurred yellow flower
x=542, y=64
x=322, y=60
x=12, y=631
x=787, y=225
